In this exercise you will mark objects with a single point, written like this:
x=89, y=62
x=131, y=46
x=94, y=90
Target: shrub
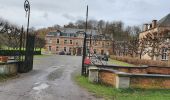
x=15, y=52
x=137, y=61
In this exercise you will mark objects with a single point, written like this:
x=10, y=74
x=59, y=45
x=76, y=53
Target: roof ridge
x=165, y=21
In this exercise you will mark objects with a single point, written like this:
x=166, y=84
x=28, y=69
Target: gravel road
x=51, y=79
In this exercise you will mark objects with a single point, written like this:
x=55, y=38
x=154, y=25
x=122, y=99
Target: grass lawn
x=119, y=63
x=109, y=93
x=41, y=56
x=6, y=77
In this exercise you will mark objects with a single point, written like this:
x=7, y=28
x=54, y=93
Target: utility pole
x=90, y=46
x=83, y=71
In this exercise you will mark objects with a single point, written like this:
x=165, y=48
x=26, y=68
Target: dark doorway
x=102, y=52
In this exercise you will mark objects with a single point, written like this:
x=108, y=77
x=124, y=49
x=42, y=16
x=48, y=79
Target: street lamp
x=27, y=10
x=83, y=71
x=29, y=52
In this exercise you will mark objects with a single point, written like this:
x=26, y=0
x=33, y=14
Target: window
x=88, y=42
x=94, y=51
x=71, y=41
x=65, y=41
x=57, y=48
x=99, y=42
x=58, y=41
x=164, y=54
x=49, y=40
x=49, y=48
x=93, y=43
x=103, y=44
x=70, y=49
x=65, y=49
x=76, y=43
x=108, y=44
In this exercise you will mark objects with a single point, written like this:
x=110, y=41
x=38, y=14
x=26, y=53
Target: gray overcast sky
x=49, y=12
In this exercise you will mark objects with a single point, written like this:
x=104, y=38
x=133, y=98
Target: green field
x=40, y=56
x=7, y=77
x=110, y=93
x=119, y=63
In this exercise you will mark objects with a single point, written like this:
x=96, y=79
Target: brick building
x=156, y=36
x=70, y=41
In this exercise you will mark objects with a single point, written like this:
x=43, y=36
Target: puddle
x=41, y=87
x=55, y=74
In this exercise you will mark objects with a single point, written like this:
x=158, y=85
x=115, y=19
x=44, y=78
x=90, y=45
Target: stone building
x=70, y=41
x=155, y=39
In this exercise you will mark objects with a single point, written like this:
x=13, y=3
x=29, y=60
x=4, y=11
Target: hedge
x=16, y=52
x=137, y=61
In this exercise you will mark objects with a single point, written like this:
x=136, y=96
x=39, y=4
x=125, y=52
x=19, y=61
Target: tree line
x=10, y=36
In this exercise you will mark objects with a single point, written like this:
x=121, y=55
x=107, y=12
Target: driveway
x=51, y=79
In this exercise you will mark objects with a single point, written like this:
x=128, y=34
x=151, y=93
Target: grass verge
x=7, y=77
x=41, y=56
x=119, y=63
x=109, y=93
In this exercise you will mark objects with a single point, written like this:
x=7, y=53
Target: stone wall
x=140, y=70
x=134, y=70
x=8, y=68
x=129, y=80
x=158, y=70
x=150, y=82
x=108, y=78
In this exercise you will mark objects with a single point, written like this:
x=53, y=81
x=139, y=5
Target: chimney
x=150, y=26
x=154, y=23
x=145, y=27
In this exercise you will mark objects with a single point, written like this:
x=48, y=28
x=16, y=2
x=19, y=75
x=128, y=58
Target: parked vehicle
x=103, y=57
x=68, y=53
x=62, y=53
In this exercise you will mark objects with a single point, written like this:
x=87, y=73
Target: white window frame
x=164, y=55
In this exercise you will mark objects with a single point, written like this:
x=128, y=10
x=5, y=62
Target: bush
x=137, y=61
x=16, y=52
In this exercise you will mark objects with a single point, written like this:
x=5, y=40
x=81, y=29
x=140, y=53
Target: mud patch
x=41, y=87
x=55, y=74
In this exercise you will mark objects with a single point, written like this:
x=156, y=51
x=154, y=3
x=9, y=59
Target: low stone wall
x=128, y=80
x=9, y=68
x=107, y=78
x=158, y=70
x=139, y=70
x=143, y=81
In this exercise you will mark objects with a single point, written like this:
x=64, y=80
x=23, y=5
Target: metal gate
x=18, y=47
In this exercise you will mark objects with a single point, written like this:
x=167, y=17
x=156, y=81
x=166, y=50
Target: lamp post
x=27, y=10
x=83, y=71
x=30, y=38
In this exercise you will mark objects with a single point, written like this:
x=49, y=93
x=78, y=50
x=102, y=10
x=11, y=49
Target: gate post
x=29, y=54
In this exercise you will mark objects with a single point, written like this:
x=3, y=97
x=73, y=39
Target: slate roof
x=57, y=33
x=69, y=32
x=164, y=22
x=101, y=36
x=74, y=30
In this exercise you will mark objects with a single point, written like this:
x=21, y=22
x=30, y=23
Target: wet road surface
x=51, y=79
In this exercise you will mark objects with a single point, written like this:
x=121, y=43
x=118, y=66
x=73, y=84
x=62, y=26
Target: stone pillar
x=93, y=74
